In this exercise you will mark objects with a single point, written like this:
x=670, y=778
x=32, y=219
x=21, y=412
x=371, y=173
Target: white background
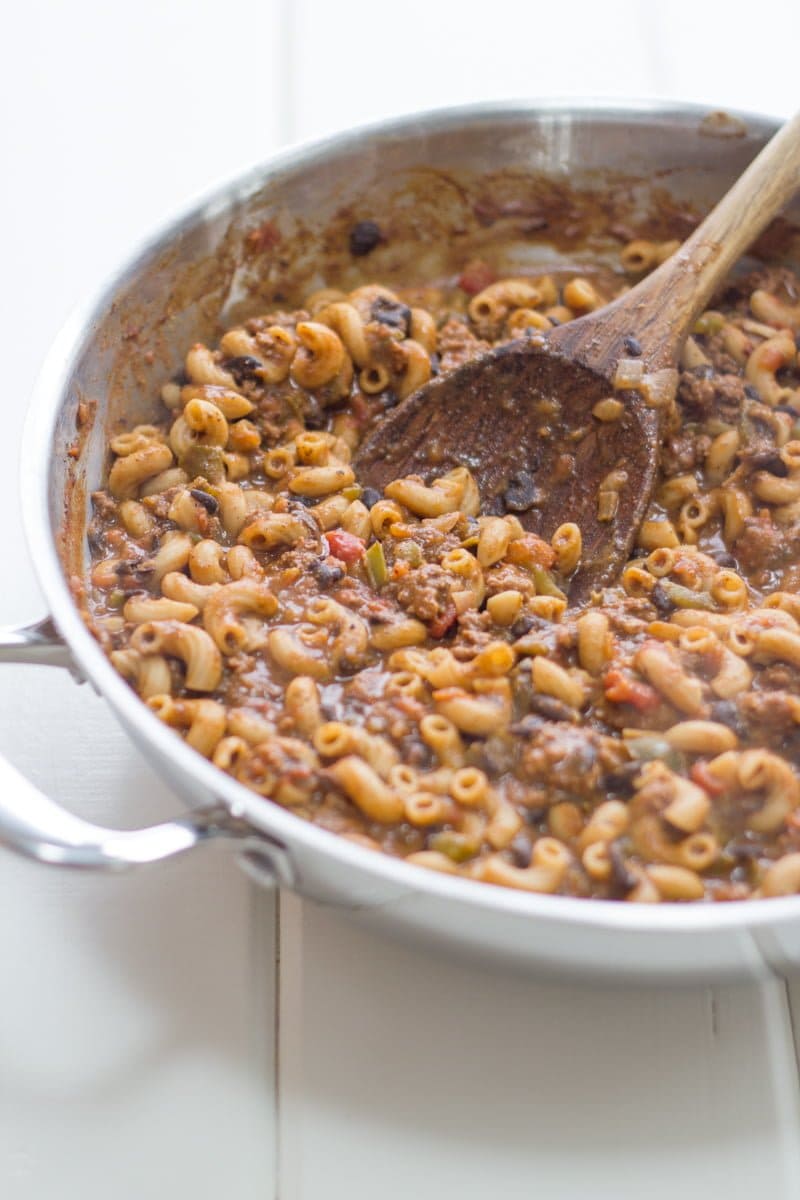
x=148, y=1045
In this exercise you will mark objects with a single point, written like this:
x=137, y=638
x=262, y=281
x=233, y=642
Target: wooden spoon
x=521, y=416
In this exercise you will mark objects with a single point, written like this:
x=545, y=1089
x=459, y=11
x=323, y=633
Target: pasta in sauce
x=404, y=668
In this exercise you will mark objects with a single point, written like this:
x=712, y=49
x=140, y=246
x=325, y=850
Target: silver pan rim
x=45, y=405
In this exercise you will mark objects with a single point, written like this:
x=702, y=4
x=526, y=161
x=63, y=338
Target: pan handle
x=40, y=644
x=33, y=825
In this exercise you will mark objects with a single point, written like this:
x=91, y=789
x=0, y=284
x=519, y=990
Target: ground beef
x=426, y=592
x=760, y=545
x=302, y=557
x=283, y=764
x=458, y=345
x=250, y=685
x=570, y=760
x=361, y=600
x=287, y=320
x=508, y=577
x=684, y=452
x=721, y=395
x=721, y=360
x=779, y=280
x=104, y=504
x=433, y=542
x=475, y=630
x=628, y=615
x=779, y=677
x=385, y=347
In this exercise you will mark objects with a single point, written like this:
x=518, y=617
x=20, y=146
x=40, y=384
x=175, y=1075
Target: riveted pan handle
x=39, y=643
x=36, y=827
x=33, y=825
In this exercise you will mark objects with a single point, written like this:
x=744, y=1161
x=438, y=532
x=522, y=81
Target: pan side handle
x=33, y=825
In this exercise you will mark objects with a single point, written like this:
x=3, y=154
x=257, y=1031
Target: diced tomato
x=476, y=276
x=531, y=551
x=700, y=774
x=620, y=688
x=345, y=546
x=440, y=625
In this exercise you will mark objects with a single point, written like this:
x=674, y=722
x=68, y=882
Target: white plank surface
x=138, y=1015
x=422, y=1078
x=432, y=1078
x=452, y=52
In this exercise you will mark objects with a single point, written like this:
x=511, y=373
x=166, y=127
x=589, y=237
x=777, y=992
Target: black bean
x=623, y=878
x=243, y=367
x=528, y=726
x=326, y=574
x=132, y=563
x=522, y=492
x=704, y=371
x=727, y=713
x=208, y=502
x=554, y=321
x=632, y=345
x=660, y=599
x=751, y=392
x=621, y=780
x=493, y=506
x=552, y=709
x=364, y=237
x=370, y=496
x=314, y=415
x=769, y=460
x=522, y=626
x=776, y=466
x=535, y=815
x=435, y=364
x=391, y=312
x=521, y=849
x=723, y=559
x=743, y=850
x=787, y=408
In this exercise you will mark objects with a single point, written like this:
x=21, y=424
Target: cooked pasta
x=405, y=668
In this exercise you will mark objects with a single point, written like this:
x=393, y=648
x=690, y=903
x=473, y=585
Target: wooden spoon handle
x=661, y=310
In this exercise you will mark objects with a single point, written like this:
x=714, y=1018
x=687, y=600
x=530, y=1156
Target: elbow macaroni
x=405, y=667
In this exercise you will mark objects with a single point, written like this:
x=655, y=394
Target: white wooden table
x=181, y=1033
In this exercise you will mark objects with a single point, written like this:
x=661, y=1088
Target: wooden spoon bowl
x=524, y=418
x=529, y=454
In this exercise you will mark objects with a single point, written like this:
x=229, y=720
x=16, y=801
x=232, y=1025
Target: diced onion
x=659, y=387
x=629, y=373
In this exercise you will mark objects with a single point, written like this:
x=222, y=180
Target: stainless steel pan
x=175, y=288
